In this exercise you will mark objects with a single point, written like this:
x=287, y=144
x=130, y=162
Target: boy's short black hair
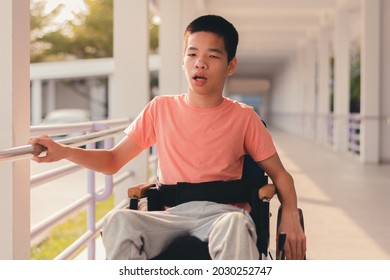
x=219, y=26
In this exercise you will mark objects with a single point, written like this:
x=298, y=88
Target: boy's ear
x=232, y=66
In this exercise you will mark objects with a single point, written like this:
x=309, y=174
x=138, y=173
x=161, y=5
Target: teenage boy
x=201, y=136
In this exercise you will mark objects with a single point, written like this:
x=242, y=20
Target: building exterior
x=286, y=44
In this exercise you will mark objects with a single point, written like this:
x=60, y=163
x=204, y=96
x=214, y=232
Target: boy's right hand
x=46, y=149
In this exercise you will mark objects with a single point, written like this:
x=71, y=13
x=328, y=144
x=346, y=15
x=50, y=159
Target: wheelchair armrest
x=267, y=191
x=139, y=191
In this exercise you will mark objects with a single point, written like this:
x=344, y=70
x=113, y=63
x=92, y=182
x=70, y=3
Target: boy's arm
x=295, y=246
x=105, y=161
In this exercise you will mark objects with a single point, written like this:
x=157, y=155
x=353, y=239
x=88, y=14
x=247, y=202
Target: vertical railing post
x=91, y=188
x=91, y=208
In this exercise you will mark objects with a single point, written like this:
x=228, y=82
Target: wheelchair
x=256, y=190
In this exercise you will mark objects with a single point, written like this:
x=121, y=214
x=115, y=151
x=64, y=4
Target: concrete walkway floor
x=346, y=204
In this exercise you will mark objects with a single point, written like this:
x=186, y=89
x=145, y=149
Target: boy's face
x=205, y=63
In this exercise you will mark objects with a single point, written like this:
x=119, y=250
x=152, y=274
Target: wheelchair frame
x=260, y=203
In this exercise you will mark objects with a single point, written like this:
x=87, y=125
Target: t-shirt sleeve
x=142, y=129
x=258, y=141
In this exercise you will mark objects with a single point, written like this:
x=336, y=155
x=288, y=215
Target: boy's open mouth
x=199, y=77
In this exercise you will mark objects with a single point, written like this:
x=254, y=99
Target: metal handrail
x=21, y=152
x=48, y=176
x=58, y=217
x=94, y=132
x=61, y=129
x=77, y=245
x=354, y=123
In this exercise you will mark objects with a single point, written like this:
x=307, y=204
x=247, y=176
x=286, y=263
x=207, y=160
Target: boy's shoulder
x=238, y=105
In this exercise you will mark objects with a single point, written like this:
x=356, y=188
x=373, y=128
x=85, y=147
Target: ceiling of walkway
x=272, y=30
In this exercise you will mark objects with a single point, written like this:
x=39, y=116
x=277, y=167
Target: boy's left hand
x=295, y=245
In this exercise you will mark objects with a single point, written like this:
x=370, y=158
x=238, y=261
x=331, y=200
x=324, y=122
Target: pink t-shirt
x=198, y=145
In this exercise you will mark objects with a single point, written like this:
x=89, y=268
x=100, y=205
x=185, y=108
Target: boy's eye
x=214, y=56
x=191, y=54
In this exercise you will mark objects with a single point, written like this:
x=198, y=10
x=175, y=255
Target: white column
x=131, y=51
x=130, y=89
x=385, y=82
x=323, y=101
x=309, y=89
x=175, y=16
x=97, y=97
x=341, y=94
x=15, y=127
x=171, y=47
x=110, y=86
x=36, y=102
x=189, y=11
x=51, y=95
x=370, y=82
x=300, y=87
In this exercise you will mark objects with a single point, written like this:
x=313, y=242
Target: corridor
x=295, y=58
x=345, y=203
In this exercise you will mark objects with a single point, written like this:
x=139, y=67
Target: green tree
x=355, y=79
x=331, y=84
x=89, y=35
x=94, y=37
x=38, y=19
x=39, y=22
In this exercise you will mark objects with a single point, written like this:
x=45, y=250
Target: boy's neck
x=203, y=101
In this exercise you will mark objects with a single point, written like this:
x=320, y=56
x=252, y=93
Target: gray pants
x=132, y=234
